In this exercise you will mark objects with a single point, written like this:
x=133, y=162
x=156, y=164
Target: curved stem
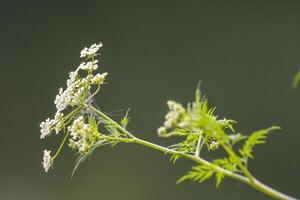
x=254, y=183
x=241, y=166
x=105, y=117
x=61, y=145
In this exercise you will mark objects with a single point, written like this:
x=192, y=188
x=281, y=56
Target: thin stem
x=198, y=148
x=191, y=157
x=70, y=115
x=254, y=183
x=90, y=97
x=61, y=145
x=241, y=166
x=105, y=117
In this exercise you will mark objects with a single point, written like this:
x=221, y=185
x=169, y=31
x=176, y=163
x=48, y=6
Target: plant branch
x=249, y=179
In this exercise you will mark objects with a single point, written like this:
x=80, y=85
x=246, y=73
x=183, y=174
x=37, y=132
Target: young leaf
x=225, y=163
x=198, y=174
x=125, y=120
x=257, y=137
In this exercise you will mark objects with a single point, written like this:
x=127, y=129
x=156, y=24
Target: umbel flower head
x=69, y=103
x=83, y=135
x=47, y=160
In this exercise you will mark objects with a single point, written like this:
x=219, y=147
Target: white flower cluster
x=173, y=117
x=83, y=135
x=76, y=89
x=91, y=65
x=71, y=96
x=88, y=52
x=49, y=124
x=47, y=160
x=76, y=93
x=77, y=85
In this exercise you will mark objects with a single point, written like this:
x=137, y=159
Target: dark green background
x=246, y=55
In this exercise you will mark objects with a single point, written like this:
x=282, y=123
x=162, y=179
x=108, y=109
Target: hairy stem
x=248, y=179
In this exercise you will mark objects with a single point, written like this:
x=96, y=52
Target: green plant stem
x=61, y=145
x=105, y=117
x=199, y=145
x=253, y=182
x=240, y=165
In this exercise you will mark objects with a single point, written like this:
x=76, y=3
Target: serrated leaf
x=257, y=137
x=199, y=174
x=225, y=163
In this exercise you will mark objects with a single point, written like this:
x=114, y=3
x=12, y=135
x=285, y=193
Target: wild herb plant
x=86, y=128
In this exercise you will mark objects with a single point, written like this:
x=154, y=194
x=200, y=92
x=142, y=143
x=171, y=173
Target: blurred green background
x=246, y=55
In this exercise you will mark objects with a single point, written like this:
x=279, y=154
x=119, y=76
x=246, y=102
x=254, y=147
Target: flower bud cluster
x=83, y=135
x=47, y=160
x=173, y=118
x=197, y=123
x=49, y=124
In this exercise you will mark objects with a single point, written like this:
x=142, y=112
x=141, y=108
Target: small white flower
x=49, y=124
x=161, y=130
x=173, y=116
x=70, y=96
x=168, y=124
x=214, y=145
x=87, y=52
x=175, y=106
x=83, y=137
x=83, y=52
x=47, y=160
x=59, y=123
x=72, y=77
x=91, y=65
x=183, y=124
x=46, y=127
x=99, y=78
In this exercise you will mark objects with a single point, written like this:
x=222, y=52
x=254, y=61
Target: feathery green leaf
x=257, y=137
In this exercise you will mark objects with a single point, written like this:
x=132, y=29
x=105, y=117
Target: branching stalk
x=196, y=124
x=248, y=179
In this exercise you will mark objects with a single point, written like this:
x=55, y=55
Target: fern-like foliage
x=257, y=137
x=197, y=124
x=199, y=174
x=200, y=127
x=202, y=173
